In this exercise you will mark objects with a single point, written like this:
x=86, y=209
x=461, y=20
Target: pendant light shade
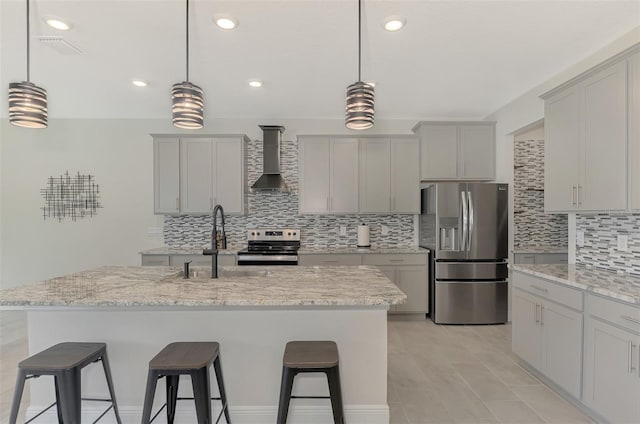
x=360, y=108
x=27, y=101
x=187, y=99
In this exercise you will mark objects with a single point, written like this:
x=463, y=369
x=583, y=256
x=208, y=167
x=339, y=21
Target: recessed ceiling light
x=139, y=83
x=225, y=21
x=58, y=24
x=394, y=23
x=255, y=83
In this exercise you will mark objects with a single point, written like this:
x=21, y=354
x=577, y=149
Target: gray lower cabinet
x=408, y=271
x=540, y=258
x=179, y=260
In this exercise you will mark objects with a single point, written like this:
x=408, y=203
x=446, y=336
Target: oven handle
x=268, y=258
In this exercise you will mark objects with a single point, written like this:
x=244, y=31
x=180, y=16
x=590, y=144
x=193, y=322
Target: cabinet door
x=412, y=280
x=634, y=131
x=562, y=346
x=439, y=152
x=525, y=330
x=612, y=382
x=562, y=151
x=196, y=175
x=477, y=152
x=228, y=175
x=605, y=140
x=343, y=176
x=390, y=272
x=314, y=175
x=375, y=175
x=405, y=176
x=166, y=175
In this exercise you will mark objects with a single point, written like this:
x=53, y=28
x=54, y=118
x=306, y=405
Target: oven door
x=271, y=258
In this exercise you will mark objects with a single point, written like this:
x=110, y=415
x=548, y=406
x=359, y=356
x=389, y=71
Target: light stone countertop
x=539, y=249
x=361, y=250
x=284, y=286
x=609, y=284
x=230, y=250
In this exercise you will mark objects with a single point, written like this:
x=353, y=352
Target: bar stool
x=186, y=358
x=310, y=356
x=64, y=362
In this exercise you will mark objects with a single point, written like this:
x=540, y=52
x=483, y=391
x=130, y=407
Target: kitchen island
x=251, y=311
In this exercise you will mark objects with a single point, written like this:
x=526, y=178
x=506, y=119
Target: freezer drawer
x=464, y=302
x=471, y=270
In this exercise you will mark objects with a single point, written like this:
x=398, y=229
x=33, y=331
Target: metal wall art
x=70, y=196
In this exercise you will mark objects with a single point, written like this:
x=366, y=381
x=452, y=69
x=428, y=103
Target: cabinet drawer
x=329, y=260
x=391, y=259
x=155, y=260
x=196, y=260
x=621, y=314
x=567, y=296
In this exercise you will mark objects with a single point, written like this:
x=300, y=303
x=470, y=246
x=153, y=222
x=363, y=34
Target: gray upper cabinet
x=634, y=132
x=456, y=150
x=344, y=176
x=192, y=174
x=589, y=126
x=405, y=175
x=166, y=176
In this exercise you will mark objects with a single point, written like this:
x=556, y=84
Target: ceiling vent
x=59, y=44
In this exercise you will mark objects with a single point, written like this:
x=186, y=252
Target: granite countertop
x=539, y=249
x=621, y=287
x=230, y=250
x=130, y=286
x=361, y=250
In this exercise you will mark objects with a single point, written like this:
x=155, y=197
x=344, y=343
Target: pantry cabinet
x=587, y=121
x=456, y=150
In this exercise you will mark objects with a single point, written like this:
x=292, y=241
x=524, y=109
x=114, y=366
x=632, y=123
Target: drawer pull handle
x=628, y=318
x=631, y=368
x=396, y=260
x=542, y=289
x=541, y=315
x=537, y=319
x=327, y=261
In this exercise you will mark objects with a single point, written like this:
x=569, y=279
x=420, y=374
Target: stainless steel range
x=271, y=247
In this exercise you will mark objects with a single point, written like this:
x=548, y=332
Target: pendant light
x=27, y=101
x=360, y=95
x=187, y=99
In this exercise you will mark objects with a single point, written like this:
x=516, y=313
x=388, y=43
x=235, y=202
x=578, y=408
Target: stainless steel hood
x=271, y=180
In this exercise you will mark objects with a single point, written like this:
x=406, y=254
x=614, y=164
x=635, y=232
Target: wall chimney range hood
x=271, y=180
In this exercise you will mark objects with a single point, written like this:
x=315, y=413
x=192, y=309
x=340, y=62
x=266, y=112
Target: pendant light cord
x=359, y=38
x=187, y=14
x=28, y=47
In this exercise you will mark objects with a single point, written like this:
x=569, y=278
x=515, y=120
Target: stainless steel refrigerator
x=465, y=225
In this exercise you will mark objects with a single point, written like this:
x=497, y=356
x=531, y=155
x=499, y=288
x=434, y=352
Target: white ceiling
x=454, y=59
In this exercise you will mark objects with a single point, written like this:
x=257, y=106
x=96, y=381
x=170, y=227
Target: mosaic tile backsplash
x=532, y=226
x=280, y=210
x=601, y=240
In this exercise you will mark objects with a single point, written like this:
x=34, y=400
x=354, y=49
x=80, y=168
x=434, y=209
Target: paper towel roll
x=363, y=236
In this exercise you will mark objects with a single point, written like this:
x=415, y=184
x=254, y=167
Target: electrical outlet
x=623, y=242
x=154, y=231
x=580, y=238
x=384, y=230
x=343, y=230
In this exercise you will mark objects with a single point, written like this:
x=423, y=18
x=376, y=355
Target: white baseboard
x=302, y=414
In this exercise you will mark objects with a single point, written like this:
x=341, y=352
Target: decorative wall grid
x=280, y=210
x=69, y=196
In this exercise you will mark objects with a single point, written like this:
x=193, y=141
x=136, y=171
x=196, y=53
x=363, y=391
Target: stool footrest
x=41, y=412
x=224, y=407
x=310, y=397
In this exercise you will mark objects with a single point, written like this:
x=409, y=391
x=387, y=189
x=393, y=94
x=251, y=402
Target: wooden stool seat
x=184, y=356
x=310, y=354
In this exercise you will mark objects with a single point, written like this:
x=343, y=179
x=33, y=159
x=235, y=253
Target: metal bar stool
x=186, y=358
x=311, y=356
x=65, y=362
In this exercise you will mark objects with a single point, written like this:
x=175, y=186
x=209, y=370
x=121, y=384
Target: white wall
x=119, y=154
x=529, y=108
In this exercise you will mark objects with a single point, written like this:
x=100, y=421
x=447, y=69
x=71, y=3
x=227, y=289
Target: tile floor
x=437, y=374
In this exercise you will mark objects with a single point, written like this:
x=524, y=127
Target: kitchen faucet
x=214, y=243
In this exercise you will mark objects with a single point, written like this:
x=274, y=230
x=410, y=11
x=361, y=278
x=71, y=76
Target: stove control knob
x=294, y=233
x=258, y=233
x=253, y=233
x=289, y=234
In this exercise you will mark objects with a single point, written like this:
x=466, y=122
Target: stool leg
x=17, y=396
x=58, y=404
x=112, y=393
x=333, y=377
x=70, y=388
x=172, y=396
x=223, y=395
x=152, y=382
x=286, y=385
x=202, y=394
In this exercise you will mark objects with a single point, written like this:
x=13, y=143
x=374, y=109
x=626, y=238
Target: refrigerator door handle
x=465, y=217
x=470, y=220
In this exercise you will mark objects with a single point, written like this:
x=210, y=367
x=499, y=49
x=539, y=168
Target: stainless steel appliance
x=465, y=225
x=271, y=247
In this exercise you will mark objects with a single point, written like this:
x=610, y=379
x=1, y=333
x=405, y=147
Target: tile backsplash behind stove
x=280, y=210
